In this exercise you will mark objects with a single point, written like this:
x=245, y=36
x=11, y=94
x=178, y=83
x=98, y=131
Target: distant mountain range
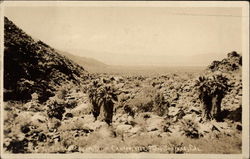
x=90, y=64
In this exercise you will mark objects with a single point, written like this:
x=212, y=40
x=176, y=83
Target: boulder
x=105, y=131
x=205, y=128
x=81, y=109
x=173, y=111
x=155, y=124
x=176, y=130
x=130, y=120
x=135, y=130
x=196, y=110
x=72, y=148
x=123, y=118
x=123, y=128
x=89, y=118
x=154, y=133
x=95, y=125
x=38, y=118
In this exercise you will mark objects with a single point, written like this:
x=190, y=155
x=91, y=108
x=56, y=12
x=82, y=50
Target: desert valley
x=57, y=103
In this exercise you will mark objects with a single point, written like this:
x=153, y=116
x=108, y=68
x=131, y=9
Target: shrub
x=190, y=128
x=160, y=105
x=141, y=103
x=56, y=108
x=58, y=103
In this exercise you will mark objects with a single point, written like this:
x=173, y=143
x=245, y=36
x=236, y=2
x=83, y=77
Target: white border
x=245, y=81
x=245, y=78
x=1, y=74
x=128, y=3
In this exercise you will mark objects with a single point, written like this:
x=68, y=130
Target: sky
x=161, y=36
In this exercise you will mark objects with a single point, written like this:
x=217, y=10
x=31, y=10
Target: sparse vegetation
x=52, y=105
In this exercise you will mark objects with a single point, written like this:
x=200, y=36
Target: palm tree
x=212, y=90
x=106, y=97
x=103, y=96
x=93, y=94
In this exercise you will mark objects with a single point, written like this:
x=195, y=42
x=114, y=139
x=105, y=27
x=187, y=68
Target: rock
x=72, y=148
x=53, y=124
x=164, y=134
x=135, y=130
x=205, y=128
x=155, y=124
x=123, y=118
x=221, y=127
x=89, y=118
x=176, y=130
x=130, y=120
x=81, y=110
x=186, y=88
x=42, y=137
x=146, y=116
x=194, y=109
x=106, y=131
x=95, y=125
x=68, y=115
x=188, y=117
x=193, y=117
x=154, y=133
x=180, y=114
x=123, y=128
x=239, y=127
x=38, y=117
x=173, y=111
x=116, y=117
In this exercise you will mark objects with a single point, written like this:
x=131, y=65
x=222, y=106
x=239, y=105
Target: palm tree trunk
x=106, y=112
x=102, y=113
x=109, y=109
x=216, y=107
x=207, y=106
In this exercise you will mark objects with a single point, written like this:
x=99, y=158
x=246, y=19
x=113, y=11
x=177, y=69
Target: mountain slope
x=89, y=64
x=34, y=67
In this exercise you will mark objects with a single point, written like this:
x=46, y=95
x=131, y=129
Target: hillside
x=233, y=62
x=34, y=67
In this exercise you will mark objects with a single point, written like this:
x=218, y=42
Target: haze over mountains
x=89, y=64
x=89, y=61
x=133, y=35
x=95, y=66
x=163, y=60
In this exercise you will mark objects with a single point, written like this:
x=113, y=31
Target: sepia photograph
x=124, y=79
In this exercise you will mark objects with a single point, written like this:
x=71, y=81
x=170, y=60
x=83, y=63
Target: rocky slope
x=34, y=67
x=233, y=62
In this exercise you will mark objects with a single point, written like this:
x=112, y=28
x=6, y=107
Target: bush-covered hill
x=34, y=67
x=233, y=62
